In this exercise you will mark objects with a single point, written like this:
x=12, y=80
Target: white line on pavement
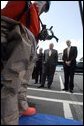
x=53, y=91
x=55, y=100
x=67, y=111
x=61, y=83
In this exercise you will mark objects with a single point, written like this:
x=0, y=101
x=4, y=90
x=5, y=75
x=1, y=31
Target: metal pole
x=81, y=11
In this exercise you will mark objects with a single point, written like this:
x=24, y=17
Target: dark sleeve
x=74, y=53
x=63, y=57
x=56, y=57
x=44, y=56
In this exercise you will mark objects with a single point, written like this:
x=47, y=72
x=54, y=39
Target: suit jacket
x=53, y=59
x=39, y=60
x=72, y=55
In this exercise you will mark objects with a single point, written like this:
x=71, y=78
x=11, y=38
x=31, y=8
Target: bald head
x=40, y=50
x=68, y=42
x=51, y=46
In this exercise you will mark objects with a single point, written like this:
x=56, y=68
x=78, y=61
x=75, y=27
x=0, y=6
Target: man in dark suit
x=69, y=59
x=38, y=66
x=49, y=65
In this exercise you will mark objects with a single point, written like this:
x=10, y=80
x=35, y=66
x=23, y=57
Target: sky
x=65, y=18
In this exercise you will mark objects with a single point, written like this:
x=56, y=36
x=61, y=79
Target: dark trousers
x=48, y=72
x=69, y=77
x=38, y=74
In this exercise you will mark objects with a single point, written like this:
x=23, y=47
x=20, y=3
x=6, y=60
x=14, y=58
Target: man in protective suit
x=20, y=27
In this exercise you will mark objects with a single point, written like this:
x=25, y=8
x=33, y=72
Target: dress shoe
x=41, y=86
x=29, y=112
x=35, y=83
x=49, y=87
x=71, y=91
x=65, y=89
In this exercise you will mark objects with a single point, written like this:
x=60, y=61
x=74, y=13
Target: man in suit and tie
x=49, y=65
x=38, y=66
x=69, y=59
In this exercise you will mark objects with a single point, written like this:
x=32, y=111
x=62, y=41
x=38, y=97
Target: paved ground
x=57, y=102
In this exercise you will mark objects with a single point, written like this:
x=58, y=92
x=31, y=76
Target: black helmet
x=47, y=5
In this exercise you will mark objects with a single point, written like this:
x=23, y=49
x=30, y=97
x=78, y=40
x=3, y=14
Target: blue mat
x=44, y=119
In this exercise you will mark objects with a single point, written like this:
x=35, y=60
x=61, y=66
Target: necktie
x=68, y=50
x=49, y=52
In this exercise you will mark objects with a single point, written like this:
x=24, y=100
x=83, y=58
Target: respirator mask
x=46, y=34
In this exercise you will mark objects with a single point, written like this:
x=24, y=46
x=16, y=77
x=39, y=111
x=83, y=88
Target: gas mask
x=46, y=34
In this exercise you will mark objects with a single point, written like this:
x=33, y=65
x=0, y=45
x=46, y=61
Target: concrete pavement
x=57, y=102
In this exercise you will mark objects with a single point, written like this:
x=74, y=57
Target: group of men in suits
x=50, y=60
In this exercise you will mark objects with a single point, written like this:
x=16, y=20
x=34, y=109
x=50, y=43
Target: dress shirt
x=50, y=52
x=68, y=50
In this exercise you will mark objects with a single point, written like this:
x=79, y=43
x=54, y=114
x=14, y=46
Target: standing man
x=20, y=27
x=38, y=66
x=69, y=59
x=50, y=62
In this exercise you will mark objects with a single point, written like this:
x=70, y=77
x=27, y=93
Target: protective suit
x=19, y=38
